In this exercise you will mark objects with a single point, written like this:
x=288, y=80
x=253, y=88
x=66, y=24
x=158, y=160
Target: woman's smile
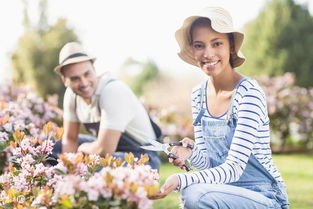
x=209, y=65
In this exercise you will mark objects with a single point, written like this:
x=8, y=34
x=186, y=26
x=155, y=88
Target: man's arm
x=70, y=136
x=105, y=144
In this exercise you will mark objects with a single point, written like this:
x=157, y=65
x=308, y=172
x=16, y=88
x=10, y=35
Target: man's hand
x=70, y=136
x=105, y=144
x=171, y=183
x=90, y=148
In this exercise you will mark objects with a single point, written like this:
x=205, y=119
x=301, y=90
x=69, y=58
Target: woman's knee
x=192, y=197
x=189, y=197
x=202, y=196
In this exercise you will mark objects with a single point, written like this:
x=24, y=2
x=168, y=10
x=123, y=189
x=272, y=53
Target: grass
x=297, y=171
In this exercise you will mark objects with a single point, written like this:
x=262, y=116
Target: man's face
x=81, y=78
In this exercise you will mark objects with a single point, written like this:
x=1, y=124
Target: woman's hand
x=171, y=183
x=182, y=152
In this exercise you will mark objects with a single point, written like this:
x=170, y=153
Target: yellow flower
x=108, y=178
x=152, y=189
x=11, y=168
x=106, y=161
x=19, y=206
x=63, y=158
x=134, y=188
x=33, y=141
x=46, y=193
x=4, y=119
x=80, y=158
x=129, y=158
x=40, y=141
x=66, y=201
x=3, y=105
x=118, y=162
x=11, y=194
x=58, y=133
x=143, y=159
x=13, y=144
x=18, y=136
x=47, y=128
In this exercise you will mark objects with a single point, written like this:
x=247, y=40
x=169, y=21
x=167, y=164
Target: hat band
x=73, y=56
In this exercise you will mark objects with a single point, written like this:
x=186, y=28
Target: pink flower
x=39, y=169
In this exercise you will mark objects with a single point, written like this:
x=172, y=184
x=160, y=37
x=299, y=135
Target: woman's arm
x=251, y=114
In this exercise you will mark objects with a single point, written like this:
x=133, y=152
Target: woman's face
x=211, y=50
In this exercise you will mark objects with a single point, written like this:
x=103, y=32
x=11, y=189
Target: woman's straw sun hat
x=221, y=22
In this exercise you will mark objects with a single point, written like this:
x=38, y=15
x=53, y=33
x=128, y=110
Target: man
x=107, y=107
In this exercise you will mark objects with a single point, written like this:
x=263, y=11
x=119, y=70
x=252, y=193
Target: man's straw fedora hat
x=71, y=53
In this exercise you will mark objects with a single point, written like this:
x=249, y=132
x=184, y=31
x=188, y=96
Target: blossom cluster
x=290, y=110
x=21, y=110
x=76, y=181
x=290, y=107
x=174, y=125
x=28, y=179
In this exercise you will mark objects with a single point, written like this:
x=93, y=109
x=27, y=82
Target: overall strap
x=202, y=110
x=104, y=84
x=230, y=112
x=157, y=130
x=93, y=128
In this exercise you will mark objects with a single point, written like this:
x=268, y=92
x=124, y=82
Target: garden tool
x=157, y=146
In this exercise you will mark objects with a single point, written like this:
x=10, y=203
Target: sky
x=113, y=30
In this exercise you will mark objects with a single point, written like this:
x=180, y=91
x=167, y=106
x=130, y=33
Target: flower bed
x=28, y=180
x=77, y=181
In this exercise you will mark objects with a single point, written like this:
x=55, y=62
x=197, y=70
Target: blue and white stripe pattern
x=251, y=136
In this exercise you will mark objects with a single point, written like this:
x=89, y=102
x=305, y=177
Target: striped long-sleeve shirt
x=252, y=136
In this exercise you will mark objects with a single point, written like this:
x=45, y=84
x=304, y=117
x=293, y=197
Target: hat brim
x=58, y=68
x=183, y=38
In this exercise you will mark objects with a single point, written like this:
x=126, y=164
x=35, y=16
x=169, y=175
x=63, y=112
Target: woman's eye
x=198, y=46
x=215, y=44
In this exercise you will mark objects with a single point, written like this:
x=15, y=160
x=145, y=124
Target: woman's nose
x=208, y=52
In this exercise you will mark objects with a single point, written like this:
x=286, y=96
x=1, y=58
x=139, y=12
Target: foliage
x=144, y=73
x=290, y=109
x=173, y=124
x=77, y=181
x=37, y=54
x=279, y=40
x=22, y=110
x=27, y=180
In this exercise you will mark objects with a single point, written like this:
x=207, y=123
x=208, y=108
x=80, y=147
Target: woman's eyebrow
x=215, y=39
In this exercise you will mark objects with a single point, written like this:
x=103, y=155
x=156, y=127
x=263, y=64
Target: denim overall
x=256, y=188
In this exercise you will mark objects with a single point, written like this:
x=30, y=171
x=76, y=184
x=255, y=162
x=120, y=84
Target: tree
x=37, y=53
x=139, y=74
x=280, y=40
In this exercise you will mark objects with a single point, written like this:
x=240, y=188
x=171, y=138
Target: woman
x=232, y=137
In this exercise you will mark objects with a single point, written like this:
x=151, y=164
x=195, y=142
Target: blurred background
x=134, y=41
